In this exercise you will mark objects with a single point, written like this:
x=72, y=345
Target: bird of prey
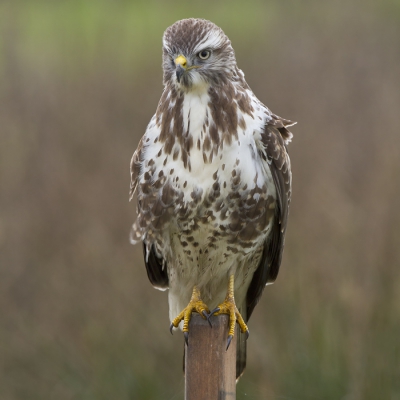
x=213, y=182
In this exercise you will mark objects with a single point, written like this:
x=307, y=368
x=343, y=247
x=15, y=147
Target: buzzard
x=213, y=182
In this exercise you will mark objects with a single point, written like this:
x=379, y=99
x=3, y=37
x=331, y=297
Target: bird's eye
x=203, y=55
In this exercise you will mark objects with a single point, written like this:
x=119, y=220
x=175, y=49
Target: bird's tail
x=241, y=346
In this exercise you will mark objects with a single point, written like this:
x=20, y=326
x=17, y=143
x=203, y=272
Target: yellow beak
x=181, y=66
x=181, y=60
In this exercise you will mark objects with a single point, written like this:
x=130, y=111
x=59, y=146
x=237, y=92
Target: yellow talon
x=228, y=306
x=195, y=304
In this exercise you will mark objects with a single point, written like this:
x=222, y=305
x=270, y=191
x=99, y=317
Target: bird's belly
x=212, y=219
x=220, y=230
x=207, y=263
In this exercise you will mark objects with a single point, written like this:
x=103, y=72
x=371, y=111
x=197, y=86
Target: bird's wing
x=274, y=138
x=154, y=199
x=156, y=268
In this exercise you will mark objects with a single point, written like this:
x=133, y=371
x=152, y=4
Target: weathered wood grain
x=210, y=370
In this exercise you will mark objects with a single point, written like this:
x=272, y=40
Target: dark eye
x=203, y=55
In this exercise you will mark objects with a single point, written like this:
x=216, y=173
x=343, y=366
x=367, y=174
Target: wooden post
x=210, y=370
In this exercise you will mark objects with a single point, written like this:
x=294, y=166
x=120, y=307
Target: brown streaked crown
x=188, y=37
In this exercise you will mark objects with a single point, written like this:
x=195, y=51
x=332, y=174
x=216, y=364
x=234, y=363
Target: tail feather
x=241, y=347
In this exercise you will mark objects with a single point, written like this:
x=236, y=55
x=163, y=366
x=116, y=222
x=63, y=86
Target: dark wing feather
x=156, y=271
x=274, y=138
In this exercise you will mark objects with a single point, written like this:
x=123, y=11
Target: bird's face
x=196, y=54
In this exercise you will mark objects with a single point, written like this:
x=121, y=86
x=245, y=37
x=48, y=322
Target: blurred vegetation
x=79, y=81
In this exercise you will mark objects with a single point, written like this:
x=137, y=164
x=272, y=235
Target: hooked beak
x=181, y=66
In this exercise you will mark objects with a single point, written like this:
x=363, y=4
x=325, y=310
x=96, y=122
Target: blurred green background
x=79, y=81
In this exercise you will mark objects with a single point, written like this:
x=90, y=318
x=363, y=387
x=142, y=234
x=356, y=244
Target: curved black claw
x=228, y=343
x=207, y=317
x=211, y=314
x=186, y=336
x=247, y=333
x=216, y=309
x=170, y=328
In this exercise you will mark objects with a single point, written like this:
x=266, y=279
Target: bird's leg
x=195, y=304
x=228, y=306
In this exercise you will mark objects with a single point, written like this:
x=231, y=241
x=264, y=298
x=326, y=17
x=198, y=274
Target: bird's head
x=197, y=53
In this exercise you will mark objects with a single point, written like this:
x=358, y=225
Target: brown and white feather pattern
x=212, y=176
